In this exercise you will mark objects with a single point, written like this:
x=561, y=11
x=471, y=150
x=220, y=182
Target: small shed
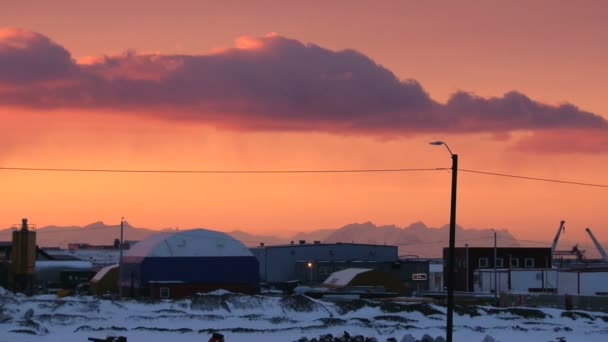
x=364, y=277
x=106, y=280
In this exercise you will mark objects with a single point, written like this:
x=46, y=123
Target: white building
x=567, y=281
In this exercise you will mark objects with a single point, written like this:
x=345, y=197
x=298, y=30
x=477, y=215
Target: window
x=164, y=292
x=514, y=262
x=500, y=263
x=529, y=262
x=483, y=262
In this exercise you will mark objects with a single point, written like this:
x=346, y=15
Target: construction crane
x=559, y=232
x=597, y=245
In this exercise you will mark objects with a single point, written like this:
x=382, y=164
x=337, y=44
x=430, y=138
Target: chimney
x=24, y=224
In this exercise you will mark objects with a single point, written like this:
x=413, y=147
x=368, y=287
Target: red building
x=469, y=259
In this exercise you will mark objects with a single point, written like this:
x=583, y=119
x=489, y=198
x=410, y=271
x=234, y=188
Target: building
x=180, y=264
x=314, y=262
x=365, y=279
x=435, y=282
x=74, y=246
x=585, y=282
x=518, y=281
x=105, y=281
x=469, y=259
x=24, y=267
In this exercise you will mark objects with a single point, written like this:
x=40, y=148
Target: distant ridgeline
x=415, y=239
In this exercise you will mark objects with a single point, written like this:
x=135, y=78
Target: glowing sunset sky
x=512, y=87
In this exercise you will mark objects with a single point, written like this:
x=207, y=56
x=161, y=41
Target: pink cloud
x=591, y=141
x=266, y=83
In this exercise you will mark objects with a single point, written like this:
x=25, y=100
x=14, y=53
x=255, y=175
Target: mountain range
x=414, y=240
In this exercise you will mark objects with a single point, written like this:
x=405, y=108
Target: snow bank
x=287, y=318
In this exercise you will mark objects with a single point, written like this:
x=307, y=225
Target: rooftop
x=316, y=244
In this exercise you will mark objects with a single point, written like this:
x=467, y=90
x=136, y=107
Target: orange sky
x=552, y=53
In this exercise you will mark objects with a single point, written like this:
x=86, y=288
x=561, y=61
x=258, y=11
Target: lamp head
x=439, y=143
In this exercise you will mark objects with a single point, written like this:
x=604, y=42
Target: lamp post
x=309, y=265
x=495, y=271
x=450, y=264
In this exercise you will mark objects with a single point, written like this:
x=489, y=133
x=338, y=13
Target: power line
x=218, y=171
x=302, y=171
x=534, y=178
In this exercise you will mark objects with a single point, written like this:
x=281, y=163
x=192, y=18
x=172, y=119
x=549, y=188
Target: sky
x=513, y=87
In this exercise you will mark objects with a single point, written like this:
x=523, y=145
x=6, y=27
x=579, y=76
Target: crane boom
x=597, y=245
x=559, y=232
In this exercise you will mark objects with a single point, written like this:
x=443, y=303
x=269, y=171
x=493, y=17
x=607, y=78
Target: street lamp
x=450, y=265
x=495, y=272
x=309, y=265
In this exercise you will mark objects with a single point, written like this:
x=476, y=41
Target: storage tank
x=180, y=264
x=23, y=258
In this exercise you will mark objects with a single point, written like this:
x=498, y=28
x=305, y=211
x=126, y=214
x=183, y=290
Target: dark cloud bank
x=274, y=83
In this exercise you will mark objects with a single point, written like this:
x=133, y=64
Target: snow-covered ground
x=265, y=318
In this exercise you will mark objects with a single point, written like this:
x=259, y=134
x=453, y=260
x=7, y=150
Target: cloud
x=565, y=141
x=27, y=57
x=264, y=83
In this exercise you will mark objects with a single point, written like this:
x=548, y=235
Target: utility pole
x=495, y=271
x=452, y=245
x=451, y=248
x=466, y=246
x=122, y=219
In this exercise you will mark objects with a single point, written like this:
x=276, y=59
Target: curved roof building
x=179, y=264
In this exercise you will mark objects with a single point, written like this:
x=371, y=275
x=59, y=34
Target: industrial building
x=22, y=275
x=105, y=281
x=365, y=279
x=584, y=282
x=180, y=264
x=469, y=259
x=24, y=267
x=314, y=262
x=413, y=273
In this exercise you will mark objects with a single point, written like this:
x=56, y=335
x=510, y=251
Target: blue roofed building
x=180, y=264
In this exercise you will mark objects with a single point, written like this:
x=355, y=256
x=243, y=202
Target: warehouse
x=366, y=279
x=180, y=264
x=314, y=262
